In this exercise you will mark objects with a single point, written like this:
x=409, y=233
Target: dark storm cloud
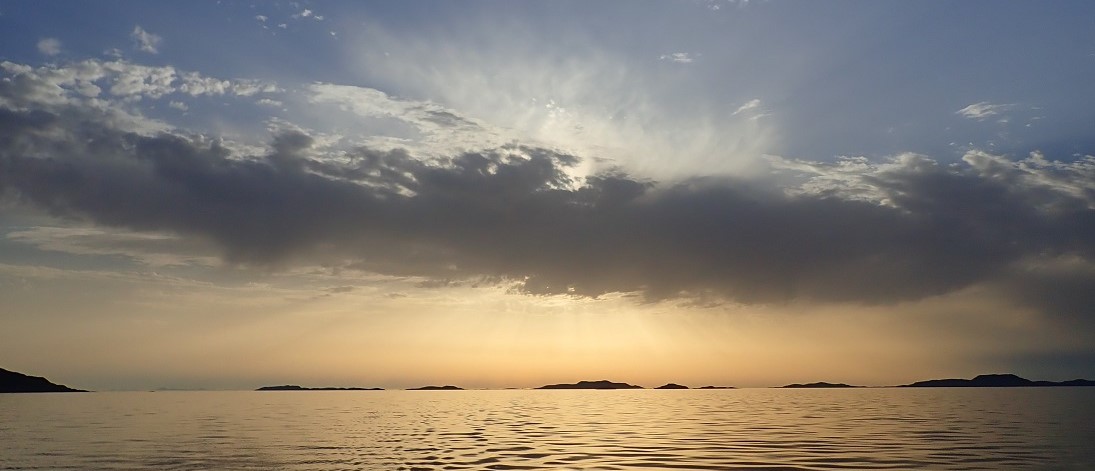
x=514, y=214
x=1064, y=291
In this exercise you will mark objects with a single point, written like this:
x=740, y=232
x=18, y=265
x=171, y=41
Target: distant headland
x=12, y=382
x=672, y=386
x=437, y=388
x=293, y=387
x=980, y=381
x=602, y=384
x=994, y=381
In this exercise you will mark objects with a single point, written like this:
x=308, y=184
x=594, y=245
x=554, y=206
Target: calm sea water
x=1035, y=428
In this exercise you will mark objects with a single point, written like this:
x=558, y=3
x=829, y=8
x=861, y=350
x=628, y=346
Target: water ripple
x=805, y=430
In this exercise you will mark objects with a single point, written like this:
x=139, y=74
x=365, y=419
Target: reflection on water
x=1032, y=428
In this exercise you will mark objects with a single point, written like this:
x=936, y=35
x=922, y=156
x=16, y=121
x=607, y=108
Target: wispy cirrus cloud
x=748, y=106
x=678, y=57
x=982, y=110
x=150, y=249
x=594, y=101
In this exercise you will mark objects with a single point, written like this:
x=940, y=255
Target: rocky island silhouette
x=14, y=382
x=601, y=384
x=818, y=385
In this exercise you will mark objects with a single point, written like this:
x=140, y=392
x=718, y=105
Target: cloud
x=145, y=41
x=151, y=249
x=340, y=289
x=594, y=101
x=375, y=103
x=748, y=106
x=983, y=110
x=306, y=13
x=678, y=57
x=714, y=5
x=437, y=129
x=120, y=79
x=854, y=230
x=1063, y=288
x=49, y=46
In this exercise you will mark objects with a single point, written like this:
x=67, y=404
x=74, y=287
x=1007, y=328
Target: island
x=437, y=388
x=716, y=387
x=818, y=385
x=14, y=382
x=994, y=381
x=671, y=386
x=602, y=384
x=293, y=387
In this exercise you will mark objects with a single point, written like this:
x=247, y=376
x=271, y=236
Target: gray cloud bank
x=850, y=231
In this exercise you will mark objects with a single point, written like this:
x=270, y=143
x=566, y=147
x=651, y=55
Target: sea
x=751, y=429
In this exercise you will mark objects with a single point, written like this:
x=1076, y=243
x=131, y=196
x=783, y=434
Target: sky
x=225, y=195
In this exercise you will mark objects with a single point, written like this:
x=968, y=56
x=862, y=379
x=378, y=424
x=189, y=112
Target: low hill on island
x=602, y=384
x=672, y=386
x=716, y=387
x=994, y=381
x=818, y=385
x=293, y=387
x=13, y=382
x=437, y=388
